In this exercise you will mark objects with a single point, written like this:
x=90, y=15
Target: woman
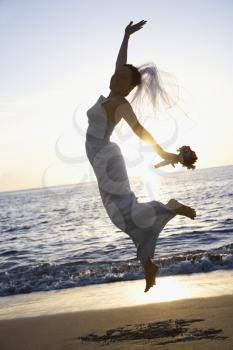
x=141, y=221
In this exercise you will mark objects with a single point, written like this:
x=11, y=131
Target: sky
x=57, y=57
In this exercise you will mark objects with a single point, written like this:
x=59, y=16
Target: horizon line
x=84, y=182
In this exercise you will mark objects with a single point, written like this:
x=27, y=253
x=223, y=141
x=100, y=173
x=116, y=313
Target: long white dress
x=143, y=222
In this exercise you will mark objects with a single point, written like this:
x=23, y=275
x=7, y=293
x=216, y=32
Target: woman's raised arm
x=130, y=29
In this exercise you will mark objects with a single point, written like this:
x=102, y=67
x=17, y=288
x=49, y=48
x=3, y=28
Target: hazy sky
x=57, y=57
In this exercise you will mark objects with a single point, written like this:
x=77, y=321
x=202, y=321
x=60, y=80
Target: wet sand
x=180, y=312
x=184, y=324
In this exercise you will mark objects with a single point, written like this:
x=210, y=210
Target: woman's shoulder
x=115, y=101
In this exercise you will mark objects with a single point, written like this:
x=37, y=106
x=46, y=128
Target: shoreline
x=116, y=295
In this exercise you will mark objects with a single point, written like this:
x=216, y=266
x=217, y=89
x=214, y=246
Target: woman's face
x=120, y=82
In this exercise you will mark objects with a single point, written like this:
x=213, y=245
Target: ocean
x=61, y=237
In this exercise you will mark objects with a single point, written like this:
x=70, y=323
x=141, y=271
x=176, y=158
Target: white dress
x=143, y=222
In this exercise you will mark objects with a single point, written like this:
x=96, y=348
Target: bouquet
x=187, y=157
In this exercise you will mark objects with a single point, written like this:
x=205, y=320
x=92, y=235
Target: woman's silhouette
x=141, y=221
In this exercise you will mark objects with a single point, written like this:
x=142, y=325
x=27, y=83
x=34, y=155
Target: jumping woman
x=143, y=222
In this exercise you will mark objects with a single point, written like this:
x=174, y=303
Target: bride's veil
x=158, y=90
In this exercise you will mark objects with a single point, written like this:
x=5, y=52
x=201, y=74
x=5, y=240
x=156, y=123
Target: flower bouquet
x=187, y=157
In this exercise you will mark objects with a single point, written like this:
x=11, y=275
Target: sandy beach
x=198, y=317
x=185, y=324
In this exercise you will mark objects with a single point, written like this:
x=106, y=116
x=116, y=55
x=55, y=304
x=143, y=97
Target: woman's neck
x=113, y=94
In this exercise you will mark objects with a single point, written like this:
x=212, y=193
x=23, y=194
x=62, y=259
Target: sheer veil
x=158, y=89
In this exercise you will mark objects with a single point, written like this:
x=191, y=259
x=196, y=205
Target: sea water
x=61, y=237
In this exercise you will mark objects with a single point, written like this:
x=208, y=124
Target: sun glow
x=49, y=86
x=167, y=289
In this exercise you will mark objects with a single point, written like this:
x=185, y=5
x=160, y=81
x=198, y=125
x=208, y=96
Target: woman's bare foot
x=150, y=274
x=181, y=209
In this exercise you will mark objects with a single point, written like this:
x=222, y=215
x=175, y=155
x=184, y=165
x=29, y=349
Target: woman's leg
x=150, y=268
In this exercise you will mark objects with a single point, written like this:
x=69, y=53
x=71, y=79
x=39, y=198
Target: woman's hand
x=132, y=28
x=169, y=158
x=172, y=158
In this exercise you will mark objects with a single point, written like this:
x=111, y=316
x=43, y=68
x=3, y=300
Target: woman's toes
x=148, y=286
x=193, y=213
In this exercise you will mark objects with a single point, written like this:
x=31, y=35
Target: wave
x=46, y=276
x=16, y=228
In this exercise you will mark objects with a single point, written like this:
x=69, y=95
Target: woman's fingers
x=139, y=24
x=136, y=25
x=143, y=21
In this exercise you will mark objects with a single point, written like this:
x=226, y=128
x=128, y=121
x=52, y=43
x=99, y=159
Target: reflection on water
x=61, y=237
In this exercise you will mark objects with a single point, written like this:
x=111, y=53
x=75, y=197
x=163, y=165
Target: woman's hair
x=149, y=87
